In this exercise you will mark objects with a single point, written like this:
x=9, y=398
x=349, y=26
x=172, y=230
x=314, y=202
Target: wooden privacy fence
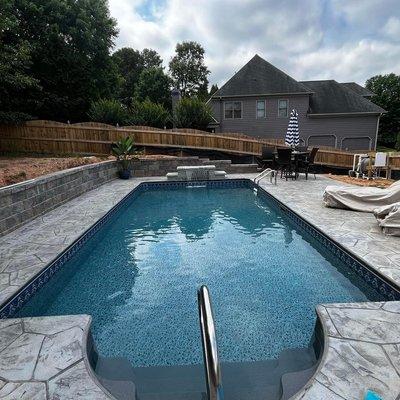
x=95, y=138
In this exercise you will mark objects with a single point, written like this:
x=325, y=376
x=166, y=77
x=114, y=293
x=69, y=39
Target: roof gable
x=332, y=97
x=260, y=77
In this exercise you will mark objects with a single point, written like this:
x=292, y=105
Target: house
x=258, y=99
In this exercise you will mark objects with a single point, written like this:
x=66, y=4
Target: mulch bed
x=362, y=182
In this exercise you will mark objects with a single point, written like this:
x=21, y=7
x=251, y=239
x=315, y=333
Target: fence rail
x=96, y=138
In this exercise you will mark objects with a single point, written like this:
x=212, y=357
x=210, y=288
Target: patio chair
x=267, y=157
x=302, y=148
x=380, y=164
x=307, y=165
x=285, y=163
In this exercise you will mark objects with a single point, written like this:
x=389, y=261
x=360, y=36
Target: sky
x=345, y=40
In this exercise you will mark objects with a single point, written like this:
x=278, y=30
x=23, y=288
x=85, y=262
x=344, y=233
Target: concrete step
x=292, y=382
x=174, y=396
x=296, y=359
x=117, y=376
x=115, y=368
x=121, y=390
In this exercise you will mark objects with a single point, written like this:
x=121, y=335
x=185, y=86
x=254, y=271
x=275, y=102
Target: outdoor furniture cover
x=364, y=199
x=388, y=218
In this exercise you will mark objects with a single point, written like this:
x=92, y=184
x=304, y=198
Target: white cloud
x=312, y=39
x=392, y=28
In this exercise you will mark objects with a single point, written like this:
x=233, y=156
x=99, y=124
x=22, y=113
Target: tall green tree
x=17, y=86
x=130, y=63
x=150, y=58
x=386, y=89
x=213, y=89
x=154, y=85
x=67, y=56
x=187, y=68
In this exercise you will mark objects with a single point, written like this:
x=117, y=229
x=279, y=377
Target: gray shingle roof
x=355, y=87
x=260, y=77
x=332, y=97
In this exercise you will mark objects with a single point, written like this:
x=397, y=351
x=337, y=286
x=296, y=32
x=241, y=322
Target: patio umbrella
x=292, y=135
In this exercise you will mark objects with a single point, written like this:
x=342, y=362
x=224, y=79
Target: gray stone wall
x=162, y=167
x=24, y=201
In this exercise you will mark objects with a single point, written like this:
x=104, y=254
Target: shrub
x=149, y=114
x=192, y=113
x=108, y=112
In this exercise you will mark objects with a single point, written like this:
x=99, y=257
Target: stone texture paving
x=362, y=340
x=358, y=232
x=45, y=358
x=362, y=352
x=28, y=249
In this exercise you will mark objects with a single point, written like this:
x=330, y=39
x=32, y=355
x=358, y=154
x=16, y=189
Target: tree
x=202, y=92
x=67, y=54
x=192, y=113
x=130, y=63
x=16, y=82
x=155, y=86
x=187, y=68
x=213, y=89
x=150, y=58
x=386, y=89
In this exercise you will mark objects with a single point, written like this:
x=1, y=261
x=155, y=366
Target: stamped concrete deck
x=362, y=340
x=46, y=358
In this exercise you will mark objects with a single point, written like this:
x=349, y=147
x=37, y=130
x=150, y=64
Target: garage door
x=356, y=143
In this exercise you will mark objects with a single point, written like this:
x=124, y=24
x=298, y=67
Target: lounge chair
x=388, y=218
x=365, y=199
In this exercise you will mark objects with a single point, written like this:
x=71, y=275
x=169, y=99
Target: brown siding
x=352, y=133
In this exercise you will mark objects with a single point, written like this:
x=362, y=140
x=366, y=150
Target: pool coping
x=61, y=259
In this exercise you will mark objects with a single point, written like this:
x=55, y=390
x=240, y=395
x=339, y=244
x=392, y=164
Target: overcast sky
x=346, y=40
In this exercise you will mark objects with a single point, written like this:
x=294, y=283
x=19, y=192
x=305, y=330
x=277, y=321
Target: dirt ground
x=361, y=182
x=19, y=168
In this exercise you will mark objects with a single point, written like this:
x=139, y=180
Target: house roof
x=361, y=90
x=333, y=97
x=260, y=77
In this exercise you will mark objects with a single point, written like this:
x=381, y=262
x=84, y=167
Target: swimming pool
x=138, y=277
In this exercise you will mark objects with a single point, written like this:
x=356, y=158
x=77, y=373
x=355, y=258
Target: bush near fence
x=52, y=137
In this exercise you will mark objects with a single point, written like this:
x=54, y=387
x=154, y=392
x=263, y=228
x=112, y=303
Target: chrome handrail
x=209, y=342
x=271, y=172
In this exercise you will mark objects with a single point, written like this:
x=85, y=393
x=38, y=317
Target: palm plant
x=123, y=151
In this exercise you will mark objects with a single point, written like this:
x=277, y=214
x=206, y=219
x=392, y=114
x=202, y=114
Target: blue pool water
x=139, y=274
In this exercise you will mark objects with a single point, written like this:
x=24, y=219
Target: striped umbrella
x=292, y=135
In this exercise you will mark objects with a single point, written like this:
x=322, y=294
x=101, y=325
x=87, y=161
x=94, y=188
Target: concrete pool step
x=254, y=380
x=292, y=382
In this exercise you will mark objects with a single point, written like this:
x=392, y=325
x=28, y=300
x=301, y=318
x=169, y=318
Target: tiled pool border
x=11, y=306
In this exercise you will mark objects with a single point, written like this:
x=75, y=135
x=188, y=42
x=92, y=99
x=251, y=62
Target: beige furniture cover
x=365, y=199
x=388, y=218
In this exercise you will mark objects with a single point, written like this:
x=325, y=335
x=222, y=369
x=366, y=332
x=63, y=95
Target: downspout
x=220, y=114
x=377, y=129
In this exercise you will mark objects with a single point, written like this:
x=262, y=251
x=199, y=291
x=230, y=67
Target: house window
x=261, y=109
x=233, y=109
x=283, y=108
